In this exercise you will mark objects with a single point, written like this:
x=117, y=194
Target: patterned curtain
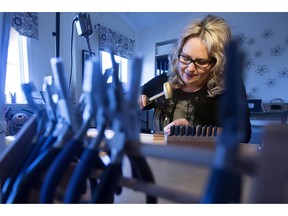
x=26, y=24
x=111, y=41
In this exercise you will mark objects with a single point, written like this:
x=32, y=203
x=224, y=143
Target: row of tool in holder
x=194, y=130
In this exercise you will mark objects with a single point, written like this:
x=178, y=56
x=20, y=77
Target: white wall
x=267, y=76
x=42, y=50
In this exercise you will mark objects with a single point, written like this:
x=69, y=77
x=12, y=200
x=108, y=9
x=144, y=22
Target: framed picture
x=85, y=56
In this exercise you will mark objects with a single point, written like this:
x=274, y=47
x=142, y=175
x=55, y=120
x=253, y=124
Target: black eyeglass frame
x=195, y=61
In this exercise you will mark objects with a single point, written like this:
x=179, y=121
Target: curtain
x=111, y=41
x=5, y=20
x=26, y=24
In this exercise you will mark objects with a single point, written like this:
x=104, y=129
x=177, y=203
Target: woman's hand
x=176, y=122
x=142, y=101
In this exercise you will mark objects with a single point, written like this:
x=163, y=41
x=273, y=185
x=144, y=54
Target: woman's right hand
x=142, y=100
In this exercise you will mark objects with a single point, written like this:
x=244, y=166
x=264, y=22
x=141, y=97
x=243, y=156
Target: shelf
x=271, y=116
x=162, y=50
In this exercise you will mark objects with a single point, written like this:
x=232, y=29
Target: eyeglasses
x=199, y=62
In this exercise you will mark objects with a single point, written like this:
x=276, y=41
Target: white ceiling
x=140, y=20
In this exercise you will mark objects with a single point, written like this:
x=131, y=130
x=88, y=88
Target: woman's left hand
x=176, y=122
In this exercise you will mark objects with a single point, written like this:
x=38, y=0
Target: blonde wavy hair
x=214, y=33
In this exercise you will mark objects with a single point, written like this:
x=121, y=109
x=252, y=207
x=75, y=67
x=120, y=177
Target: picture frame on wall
x=85, y=56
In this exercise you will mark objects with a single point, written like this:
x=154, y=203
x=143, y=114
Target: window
x=123, y=65
x=17, y=68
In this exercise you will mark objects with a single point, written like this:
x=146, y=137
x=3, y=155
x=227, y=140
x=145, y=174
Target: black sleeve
x=243, y=125
x=245, y=136
x=153, y=87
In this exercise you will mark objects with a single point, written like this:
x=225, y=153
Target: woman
x=196, y=76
